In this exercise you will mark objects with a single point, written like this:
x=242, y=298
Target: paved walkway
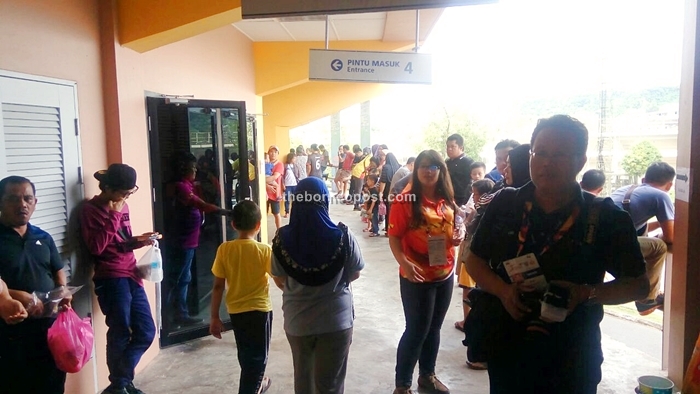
x=209, y=365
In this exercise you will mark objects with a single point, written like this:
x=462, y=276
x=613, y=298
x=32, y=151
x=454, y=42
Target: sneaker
x=114, y=390
x=403, y=390
x=133, y=390
x=646, y=307
x=187, y=321
x=432, y=384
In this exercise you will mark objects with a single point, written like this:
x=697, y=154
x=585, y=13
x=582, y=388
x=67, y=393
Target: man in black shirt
x=575, y=239
x=458, y=165
x=29, y=262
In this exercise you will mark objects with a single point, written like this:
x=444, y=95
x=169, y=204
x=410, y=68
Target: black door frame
x=152, y=105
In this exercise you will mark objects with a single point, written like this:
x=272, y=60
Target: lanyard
x=563, y=228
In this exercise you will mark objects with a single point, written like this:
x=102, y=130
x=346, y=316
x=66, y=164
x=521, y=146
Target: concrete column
x=364, y=125
x=335, y=136
x=682, y=305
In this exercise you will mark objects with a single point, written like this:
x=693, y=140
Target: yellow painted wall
x=310, y=101
x=149, y=24
x=291, y=100
x=283, y=65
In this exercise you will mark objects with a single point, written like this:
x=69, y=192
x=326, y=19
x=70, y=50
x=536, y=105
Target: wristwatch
x=592, y=297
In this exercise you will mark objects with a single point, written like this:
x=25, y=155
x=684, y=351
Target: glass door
x=216, y=136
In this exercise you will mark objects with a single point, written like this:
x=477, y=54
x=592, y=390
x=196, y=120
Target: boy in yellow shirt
x=243, y=265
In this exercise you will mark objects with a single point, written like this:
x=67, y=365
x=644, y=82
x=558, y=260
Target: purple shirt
x=188, y=215
x=107, y=235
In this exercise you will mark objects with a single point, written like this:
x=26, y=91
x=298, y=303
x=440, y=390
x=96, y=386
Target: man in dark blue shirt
x=572, y=239
x=29, y=262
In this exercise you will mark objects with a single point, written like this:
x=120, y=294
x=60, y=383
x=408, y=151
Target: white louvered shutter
x=38, y=140
x=34, y=150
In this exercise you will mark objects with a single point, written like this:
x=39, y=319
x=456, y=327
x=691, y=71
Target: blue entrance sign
x=362, y=66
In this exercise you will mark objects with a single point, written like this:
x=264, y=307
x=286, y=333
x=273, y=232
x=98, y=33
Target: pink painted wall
x=74, y=40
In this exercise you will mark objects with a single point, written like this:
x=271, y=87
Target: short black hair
x=477, y=164
x=411, y=160
x=14, y=180
x=383, y=146
x=321, y=147
x=506, y=144
x=483, y=185
x=593, y=179
x=373, y=178
x=458, y=139
x=356, y=148
x=182, y=163
x=246, y=215
x=659, y=173
x=346, y=147
x=565, y=124
x=314, y=147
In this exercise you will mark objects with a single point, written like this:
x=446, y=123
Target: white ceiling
x=383, y=26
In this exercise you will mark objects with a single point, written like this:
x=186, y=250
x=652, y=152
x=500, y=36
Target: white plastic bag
x=150, y=266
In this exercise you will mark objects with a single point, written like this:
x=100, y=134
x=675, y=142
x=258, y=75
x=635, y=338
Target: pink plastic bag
x=70, y=341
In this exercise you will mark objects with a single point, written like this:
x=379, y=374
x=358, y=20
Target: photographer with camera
x=539, y=256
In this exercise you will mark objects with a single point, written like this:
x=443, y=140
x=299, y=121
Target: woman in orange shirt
x=421, y=224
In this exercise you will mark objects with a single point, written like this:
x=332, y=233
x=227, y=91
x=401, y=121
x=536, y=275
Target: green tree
x=443, y=125
x=637, y=160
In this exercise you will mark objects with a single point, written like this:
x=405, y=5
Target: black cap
x=117, y=177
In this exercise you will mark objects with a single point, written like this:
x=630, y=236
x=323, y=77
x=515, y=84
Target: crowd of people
x=529, y=245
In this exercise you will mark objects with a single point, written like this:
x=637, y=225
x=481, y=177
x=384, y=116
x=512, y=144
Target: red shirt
x=278, y=167
x=347, y=163
x=439, y=219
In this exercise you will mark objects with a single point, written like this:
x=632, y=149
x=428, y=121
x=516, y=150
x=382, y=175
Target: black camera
x=547, y=308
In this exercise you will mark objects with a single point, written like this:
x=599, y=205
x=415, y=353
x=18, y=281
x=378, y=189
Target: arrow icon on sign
x=682, y=177
x=337, y=65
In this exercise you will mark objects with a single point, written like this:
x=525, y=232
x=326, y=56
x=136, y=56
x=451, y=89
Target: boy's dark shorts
x=274, y=206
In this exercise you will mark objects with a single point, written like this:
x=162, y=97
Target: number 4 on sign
x=409, y=68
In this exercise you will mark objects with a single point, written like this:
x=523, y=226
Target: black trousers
x=26, y=364
x=253, y=331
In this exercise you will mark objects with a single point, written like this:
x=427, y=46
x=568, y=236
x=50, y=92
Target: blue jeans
x=131, y=329
x=288, y=191
x=180, y=277
x=253, y=331
x=424, y=306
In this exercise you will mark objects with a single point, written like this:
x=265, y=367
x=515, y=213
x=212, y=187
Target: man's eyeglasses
x=127, y=193
x=558, y=156
x=430, y=168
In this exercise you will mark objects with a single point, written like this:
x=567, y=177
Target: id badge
x=437, y=252
x=526, y=270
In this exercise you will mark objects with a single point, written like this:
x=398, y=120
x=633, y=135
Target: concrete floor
x=208, y=365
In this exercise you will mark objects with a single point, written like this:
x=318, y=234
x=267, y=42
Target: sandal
x=366, y=230
x=373, y=235
x=477, y=366
x=460, y=325
x=265, y=384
